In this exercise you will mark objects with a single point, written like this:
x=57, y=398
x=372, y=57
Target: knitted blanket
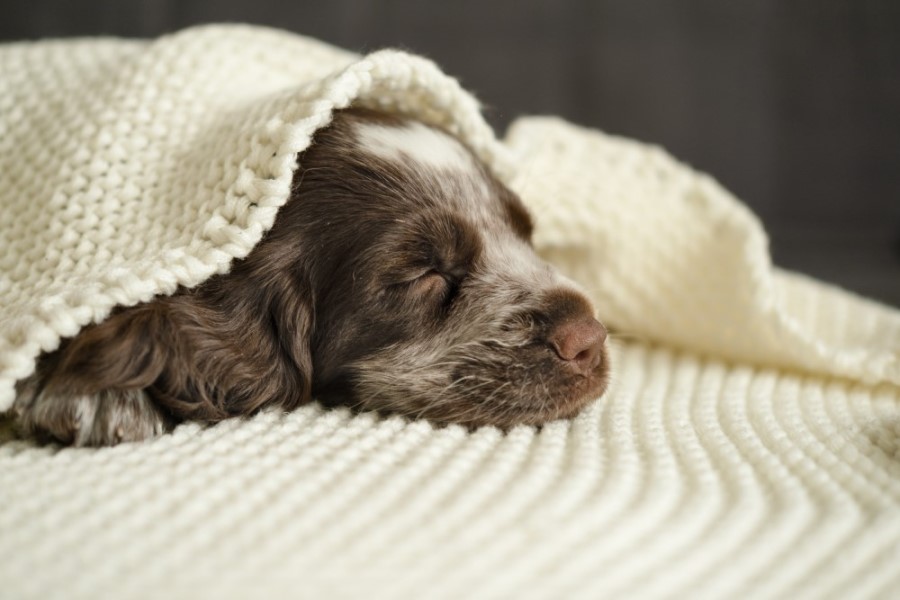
x=748, y=444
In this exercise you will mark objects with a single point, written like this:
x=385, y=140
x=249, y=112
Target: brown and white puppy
x=398, y=278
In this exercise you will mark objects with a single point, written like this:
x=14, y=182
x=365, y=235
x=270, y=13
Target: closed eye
x=436, y=286
x=429, y=283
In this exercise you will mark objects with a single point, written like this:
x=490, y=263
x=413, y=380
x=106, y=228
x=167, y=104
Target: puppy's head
x=427, y=297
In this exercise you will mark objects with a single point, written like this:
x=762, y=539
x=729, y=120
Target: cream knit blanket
x=754, y=452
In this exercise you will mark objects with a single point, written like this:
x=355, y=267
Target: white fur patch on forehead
x=414, y=141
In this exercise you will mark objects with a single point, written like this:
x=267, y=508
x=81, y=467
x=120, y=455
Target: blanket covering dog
x=748, y=444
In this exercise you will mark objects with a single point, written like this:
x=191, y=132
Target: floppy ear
x=234, y=349
x=206, y=354
x=125, y=352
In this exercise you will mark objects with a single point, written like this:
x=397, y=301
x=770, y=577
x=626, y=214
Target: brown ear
x=125, y=352
x=233, y=350
x=206, y=354
x=231, y=347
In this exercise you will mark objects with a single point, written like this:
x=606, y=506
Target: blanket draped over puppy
x=128, y=168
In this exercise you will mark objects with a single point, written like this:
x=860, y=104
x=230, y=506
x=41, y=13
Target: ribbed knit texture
x=748, y=446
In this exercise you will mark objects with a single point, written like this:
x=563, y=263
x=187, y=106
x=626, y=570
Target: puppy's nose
x=579, y=343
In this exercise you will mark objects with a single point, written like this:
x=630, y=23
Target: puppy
x=399, y=278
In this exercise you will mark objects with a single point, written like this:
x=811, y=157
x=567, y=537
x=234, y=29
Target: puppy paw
x=104, y=419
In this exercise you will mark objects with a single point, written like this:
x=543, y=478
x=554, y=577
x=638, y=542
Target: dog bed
x=748, y=445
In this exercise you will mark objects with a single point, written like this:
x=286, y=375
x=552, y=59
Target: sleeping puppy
x=399, y=278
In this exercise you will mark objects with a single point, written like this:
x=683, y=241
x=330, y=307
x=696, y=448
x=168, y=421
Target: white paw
x=104, y=419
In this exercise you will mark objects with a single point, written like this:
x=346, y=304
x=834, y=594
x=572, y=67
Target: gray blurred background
x=794, y=105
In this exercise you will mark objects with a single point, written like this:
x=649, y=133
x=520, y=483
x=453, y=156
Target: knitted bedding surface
x=749, y=444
